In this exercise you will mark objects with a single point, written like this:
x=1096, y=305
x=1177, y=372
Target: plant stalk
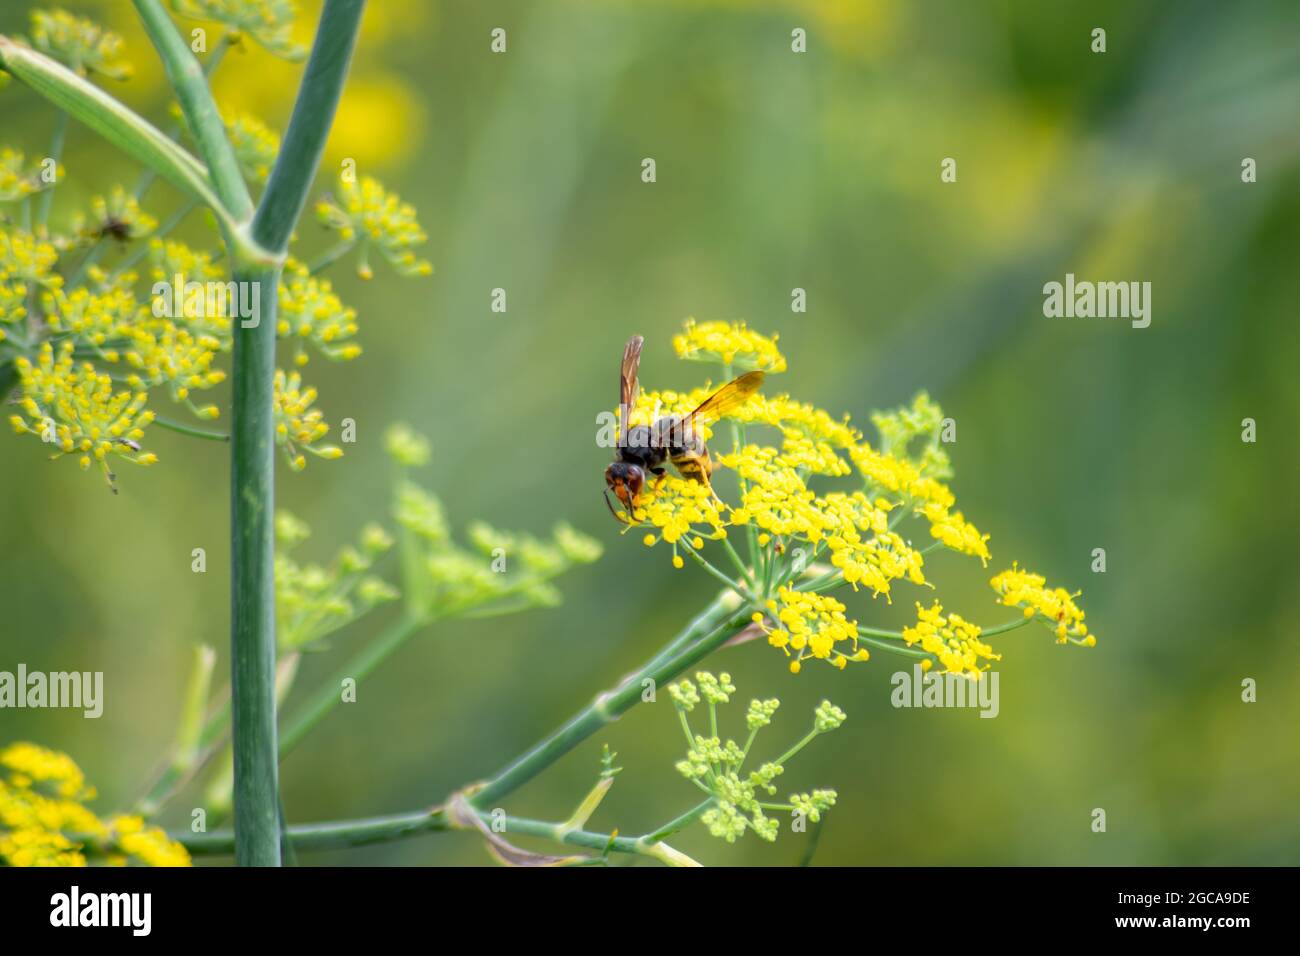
x=252, y=487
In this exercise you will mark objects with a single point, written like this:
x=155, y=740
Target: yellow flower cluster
x=19, y=183
x=164, y=353
x=811, y=625
x=310, y=311
x=76, y=410
x=1023, y=589
x=25, y=261
x=298, y=426
x=312, y=601
x=923, y=494
x=501, y=569
x=44, y=820
x=208, y=313
x=255, y=144
x=117, y=216
x=171, y=336
x=95, y=318
x=803, y=540
x=268, y=22
x=366, y=213
x=728, y=343
x=80, y=44
x=952, y=640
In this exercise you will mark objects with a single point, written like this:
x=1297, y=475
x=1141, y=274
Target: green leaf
x=124, y=128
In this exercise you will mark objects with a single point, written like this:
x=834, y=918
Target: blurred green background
x=775, y=171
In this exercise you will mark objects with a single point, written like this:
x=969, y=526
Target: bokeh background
x=775, y=171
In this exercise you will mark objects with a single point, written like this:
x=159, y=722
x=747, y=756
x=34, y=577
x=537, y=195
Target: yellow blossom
x=953, y=640
x=367, y=214
x=1023, y=589
x=44, y=820
x=811, y=625
x=19, y=183
x=76, y=410
x=78, y=43
x=311, y=312
x=772, y=457
x=268, y=22
x=298, y=426
x=728, y=343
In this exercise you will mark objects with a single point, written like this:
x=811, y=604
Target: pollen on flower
x=311, y=312
x=298, y=426
x=19, y=183
x=952, y=640
x=728, y=343
x=1023, y=589
x=769, y=457
x=44, y=820
x=75, y=409
x=810, y=626
x=367, y=215
x=25, y=263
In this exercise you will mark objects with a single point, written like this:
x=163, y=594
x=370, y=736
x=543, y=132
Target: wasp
x=643, y=449
x=114, y=228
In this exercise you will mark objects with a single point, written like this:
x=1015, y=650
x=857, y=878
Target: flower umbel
x=44, y=820
x=728, y=343
x=80, y=44
x=741, y=800
x=366, y=215
x=803, y=540
x=268, y=22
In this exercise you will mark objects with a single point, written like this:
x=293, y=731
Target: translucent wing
x=628, y=390
x=732, y=395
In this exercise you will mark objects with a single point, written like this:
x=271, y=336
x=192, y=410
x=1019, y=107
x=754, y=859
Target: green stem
x=330, y=836
x=190, y=430
x=785, y=757
x=330, y=256
x=313, y=114
x=252, y=493
x=190, y=85
x=209, y=67
x=1008, y=626
x=713, y=615
x=681, y=822
x=56, y=153
x=710, y=569
x=173, y=776
x=341, y=834
x=894, y=648
x=328, y=696
x=604, y=709
x=119, y=125
x=8, y=379
x=257, y=803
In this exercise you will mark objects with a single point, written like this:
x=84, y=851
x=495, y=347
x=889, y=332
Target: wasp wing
x=628, y=390
x=730, y=396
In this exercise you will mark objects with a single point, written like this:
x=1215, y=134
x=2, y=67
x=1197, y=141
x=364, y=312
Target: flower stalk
x=252, y=486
